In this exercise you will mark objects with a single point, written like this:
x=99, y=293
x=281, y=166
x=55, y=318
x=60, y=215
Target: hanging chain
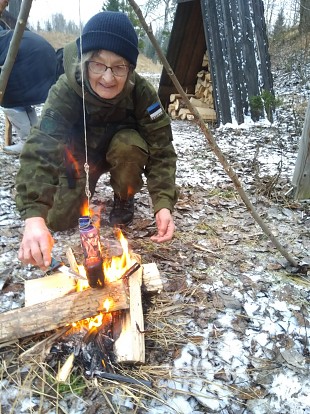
x=86, y=165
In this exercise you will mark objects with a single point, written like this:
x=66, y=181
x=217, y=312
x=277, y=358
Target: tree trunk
x=304, y=22
x=301, y=176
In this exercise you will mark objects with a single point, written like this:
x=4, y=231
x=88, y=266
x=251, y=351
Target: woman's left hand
x=165, y=226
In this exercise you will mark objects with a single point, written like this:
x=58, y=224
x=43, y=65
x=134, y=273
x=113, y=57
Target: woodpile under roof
x=232, y=37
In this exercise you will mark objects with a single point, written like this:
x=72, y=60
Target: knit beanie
x=111, y=31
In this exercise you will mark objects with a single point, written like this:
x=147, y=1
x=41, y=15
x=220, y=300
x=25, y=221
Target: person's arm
x=160, y=170
x=41, y=162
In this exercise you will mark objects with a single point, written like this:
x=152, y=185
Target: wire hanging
x=86, y=165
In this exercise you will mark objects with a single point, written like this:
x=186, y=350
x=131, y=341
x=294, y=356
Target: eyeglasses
x=100, y=68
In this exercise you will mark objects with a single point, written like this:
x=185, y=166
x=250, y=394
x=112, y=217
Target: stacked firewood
x=202, y=99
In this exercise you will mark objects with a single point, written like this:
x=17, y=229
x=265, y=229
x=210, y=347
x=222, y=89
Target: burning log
x=52, y=314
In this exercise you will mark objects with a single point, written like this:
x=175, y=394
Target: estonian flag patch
x=155, y=110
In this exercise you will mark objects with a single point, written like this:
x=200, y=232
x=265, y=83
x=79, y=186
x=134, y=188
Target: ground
x=230, y=331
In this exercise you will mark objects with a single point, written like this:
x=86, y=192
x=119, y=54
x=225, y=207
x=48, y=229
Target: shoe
x=15, y=149
x=122, y=211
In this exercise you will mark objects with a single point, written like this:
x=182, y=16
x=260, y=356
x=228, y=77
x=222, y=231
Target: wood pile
x=202, y=99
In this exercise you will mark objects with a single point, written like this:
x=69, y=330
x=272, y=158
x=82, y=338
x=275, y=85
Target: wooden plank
x=47, y=316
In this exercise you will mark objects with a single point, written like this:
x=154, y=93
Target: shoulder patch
x=155, y=110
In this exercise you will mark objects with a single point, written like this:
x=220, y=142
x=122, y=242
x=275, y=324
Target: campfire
x=98, y=307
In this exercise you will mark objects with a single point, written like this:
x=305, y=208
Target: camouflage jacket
x=62, y=120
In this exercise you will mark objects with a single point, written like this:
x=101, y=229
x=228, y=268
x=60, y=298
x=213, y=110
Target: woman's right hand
x=37, y=243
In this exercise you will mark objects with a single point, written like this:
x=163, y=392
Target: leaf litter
x=230, y=332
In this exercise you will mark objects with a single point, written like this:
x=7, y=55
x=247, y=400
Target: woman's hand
x=165, y=226
x=36, y=246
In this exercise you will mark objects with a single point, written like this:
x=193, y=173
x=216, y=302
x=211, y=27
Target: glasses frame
x=128, y=68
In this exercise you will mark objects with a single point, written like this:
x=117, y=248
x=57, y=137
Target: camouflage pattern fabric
x=128, y=136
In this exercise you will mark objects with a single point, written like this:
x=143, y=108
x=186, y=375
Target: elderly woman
x=102, y=107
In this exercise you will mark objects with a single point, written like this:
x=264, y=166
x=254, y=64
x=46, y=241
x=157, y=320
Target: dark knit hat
x=111, y=31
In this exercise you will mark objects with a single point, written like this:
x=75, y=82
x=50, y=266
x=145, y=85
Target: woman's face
x=107, y=82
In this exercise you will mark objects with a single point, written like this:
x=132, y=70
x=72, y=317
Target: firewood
x=52, y=314
x=173, y=114
x=151, y=279
x=175, y=96
x=7, y=132
x=198, y=102
x=207, y=114
x=129, y=347
x=65, y=370
x=72, y=261
x=171, y=108
x=48, y=288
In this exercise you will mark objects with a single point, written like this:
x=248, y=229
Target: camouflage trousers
x=125, y=159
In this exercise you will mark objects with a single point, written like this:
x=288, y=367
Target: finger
x=33, y=255
x=46, y=250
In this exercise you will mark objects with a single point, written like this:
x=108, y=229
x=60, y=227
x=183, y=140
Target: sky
x=42, y=10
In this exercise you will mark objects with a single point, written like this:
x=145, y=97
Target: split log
x=129, y=347
x=48, y=288
x=198, y=102
x=175, y=96
x=152, y=282
x=52, y=314
x=207, y=114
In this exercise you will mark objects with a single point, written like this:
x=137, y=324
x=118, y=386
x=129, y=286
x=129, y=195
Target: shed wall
x=234, y=35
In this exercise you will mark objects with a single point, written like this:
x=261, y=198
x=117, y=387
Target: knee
x=127, y=146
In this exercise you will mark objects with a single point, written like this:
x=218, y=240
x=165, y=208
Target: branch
x=14, y=45
x=213, y=145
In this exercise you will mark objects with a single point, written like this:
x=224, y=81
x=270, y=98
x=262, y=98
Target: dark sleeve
x=155, y=128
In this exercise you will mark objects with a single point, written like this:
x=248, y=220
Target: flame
x=116, y=266
x=113, y=268
x=81, y=284
x=85, y=210
x=71, y=160
x=107, y=304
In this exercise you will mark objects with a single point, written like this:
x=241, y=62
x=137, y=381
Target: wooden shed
x=218, y=50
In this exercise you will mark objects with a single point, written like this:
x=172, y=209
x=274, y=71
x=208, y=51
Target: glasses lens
x=100, y=68
x=97, y=67
x=120, y=70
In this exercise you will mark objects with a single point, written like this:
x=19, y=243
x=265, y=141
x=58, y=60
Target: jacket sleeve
x=41, y=160
x=154, y=125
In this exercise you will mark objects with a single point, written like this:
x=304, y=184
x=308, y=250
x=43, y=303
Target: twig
x=213, y=145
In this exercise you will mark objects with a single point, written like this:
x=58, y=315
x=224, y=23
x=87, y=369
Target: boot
x=15, y=149
x=122, y=211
